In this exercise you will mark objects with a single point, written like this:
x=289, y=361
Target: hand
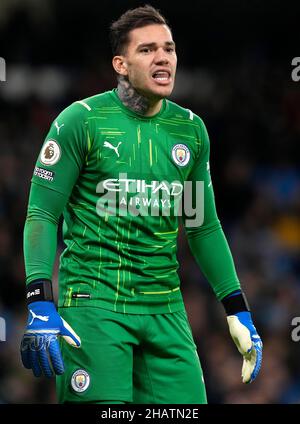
x=248, y=342
x=40, y=349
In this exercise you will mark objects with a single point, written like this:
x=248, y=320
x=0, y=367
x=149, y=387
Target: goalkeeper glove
x=244, y=334
x=40, y=349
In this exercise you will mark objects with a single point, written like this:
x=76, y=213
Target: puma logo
x=110, y=146
x=58, y=127
x=40, y=317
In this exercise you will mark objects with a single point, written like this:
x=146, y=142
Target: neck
x=135, y=101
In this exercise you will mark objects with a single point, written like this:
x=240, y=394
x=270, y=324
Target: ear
x=120, y=65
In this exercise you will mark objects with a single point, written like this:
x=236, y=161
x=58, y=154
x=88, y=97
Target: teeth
x=161, y=76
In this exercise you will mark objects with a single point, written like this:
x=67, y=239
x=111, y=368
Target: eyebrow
x=167, y=43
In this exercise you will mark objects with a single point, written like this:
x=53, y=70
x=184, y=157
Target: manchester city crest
x=80, y=381
x=181, y=154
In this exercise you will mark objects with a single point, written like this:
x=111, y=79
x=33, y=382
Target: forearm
x=211, y=251
x=40, y=232
x=40, y=243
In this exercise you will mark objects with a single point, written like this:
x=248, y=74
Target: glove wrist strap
x=39, y=290
x=235, y=302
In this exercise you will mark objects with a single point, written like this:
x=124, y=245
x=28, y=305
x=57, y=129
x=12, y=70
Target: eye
x=145, y=50
x=170, y=49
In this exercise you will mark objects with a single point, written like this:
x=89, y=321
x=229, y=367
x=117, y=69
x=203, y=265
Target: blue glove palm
x=40, y=349
x=248, y=342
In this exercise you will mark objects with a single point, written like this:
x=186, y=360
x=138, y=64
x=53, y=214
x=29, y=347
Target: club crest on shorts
x=80, y=381
x=181, y=154
x=50, y=153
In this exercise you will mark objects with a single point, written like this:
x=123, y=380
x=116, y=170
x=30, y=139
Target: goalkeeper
x=116, y=165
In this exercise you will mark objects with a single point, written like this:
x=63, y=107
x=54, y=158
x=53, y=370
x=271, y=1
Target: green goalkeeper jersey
x=120, y=179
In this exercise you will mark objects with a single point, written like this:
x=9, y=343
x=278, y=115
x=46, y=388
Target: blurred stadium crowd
x=251, y=108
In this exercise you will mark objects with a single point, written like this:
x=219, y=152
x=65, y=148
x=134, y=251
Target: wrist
x=39, y=290
x=235, y=302
x=42, y=306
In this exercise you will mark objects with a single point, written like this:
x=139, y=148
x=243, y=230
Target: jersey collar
x=130, y=112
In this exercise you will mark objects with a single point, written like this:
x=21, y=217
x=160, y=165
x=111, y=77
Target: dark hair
x=133, y=18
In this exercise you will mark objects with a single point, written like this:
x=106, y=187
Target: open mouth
x=161, y=76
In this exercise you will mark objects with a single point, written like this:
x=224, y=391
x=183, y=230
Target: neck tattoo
x=130, y=98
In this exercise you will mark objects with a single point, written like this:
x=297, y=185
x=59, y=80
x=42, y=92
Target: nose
x=161, y=56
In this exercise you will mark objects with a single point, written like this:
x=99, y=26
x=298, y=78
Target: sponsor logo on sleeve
x=45, y=174
x=50, y=153
x=58, y=127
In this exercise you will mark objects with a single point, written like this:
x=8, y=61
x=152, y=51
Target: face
x=150, y=61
